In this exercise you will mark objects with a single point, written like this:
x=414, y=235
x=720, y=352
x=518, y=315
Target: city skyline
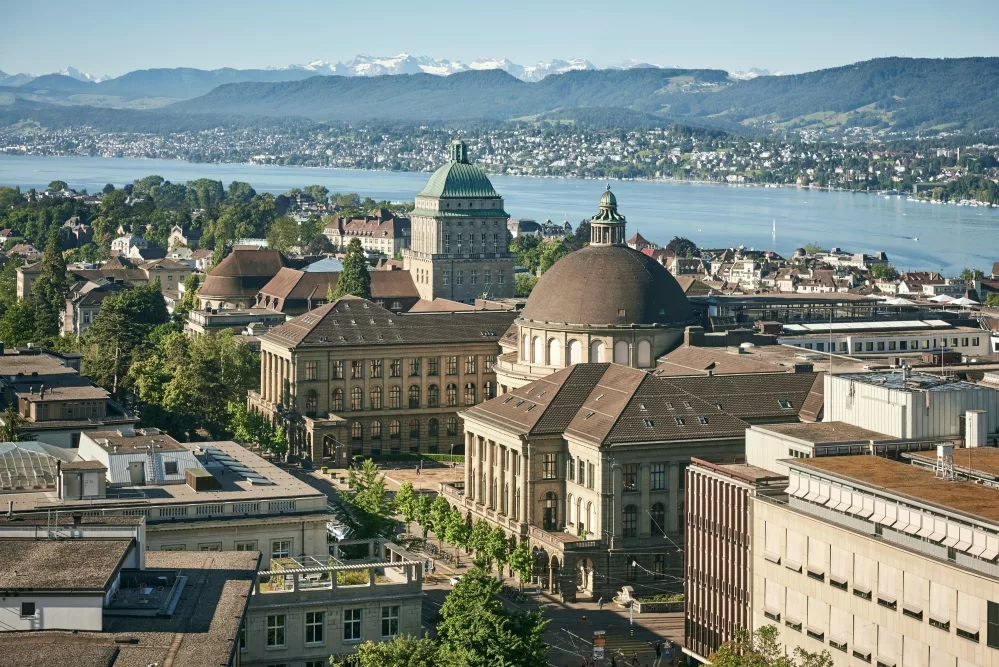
x=113, y=38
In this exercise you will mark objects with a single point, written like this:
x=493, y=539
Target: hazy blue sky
x=105, y=37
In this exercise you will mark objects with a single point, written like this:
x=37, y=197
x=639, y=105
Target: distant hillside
x=490, y=94
x=904, y=93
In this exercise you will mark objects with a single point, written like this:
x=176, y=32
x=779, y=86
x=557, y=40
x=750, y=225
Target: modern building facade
x=460, y=244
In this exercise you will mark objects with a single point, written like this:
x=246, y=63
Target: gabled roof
x=608, y=404
x=296, y=284
x=354, y=321
x=757, y=396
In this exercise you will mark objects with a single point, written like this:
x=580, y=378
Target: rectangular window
x=356, y=369
x=892, y=345
x=858, y=347
x=314, y=625
x=500, y=277
x=658, y=480
x=28, y=609
x=629, y=477
x=571, y=469
x=471, y=364
x=395, y=368
x=992, y=633
x=311, y=370
x=447, y=276
x=415, y=367
x=352, y=625
x=211, y=546
x=433, y=366
x=590, y=475
x=582, y=472
x=460, y=278
x=869, y=347
x=474, y=277
x=281, y=549
x=275, y=630
x=881, y=346
x=170, y=467
x=390, y=622
x=337, y=371
x=249, y=545
x=242, y=636
x=487, y=276
x=452, y=365
x=974, y=341
x=549, y=463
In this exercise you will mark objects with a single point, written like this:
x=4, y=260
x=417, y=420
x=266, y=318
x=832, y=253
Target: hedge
x=415, y=458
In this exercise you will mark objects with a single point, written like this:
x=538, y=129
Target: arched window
x=452, y=395
x=337, y=402
x=568, y=509
x=597, y=352
x=621, y=352
x=579, y=515
x=469, y=393
x=550, y=511
x=554, y=352
x=589, y=517
x=414, y=429
x=658, y=519
x=539, y=351
x=644, y=354
x=356, y=431
x=311, y=402
x=395, y=396
x=452, y=425
x=395, y=429
x=575, y=352
x=433, y=396
x=414, y=396
x=376, y=430
x=629, y=522
x=356, y=398
x=434, y=428
x=488, y=390
x=376, y=398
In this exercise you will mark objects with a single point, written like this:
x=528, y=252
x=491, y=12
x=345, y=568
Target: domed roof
x=608, y=198
x=459, y=178
x=607, y=285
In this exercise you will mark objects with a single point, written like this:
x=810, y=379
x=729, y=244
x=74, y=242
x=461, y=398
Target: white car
x=455, y=579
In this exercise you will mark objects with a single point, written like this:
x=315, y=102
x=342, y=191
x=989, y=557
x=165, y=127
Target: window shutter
x=879, y=511
x=940, y=657
x=840, y=561
x=940, y=603
x=796, y=606
x=978, y=543
x=818, y=616
x=772, y=537
x=774, y=598
x=968, y=612
x=865, y=635
x=795, y=551
x=818, y=557
x=840, y=625
x=916, y=593
x=913, y=653
x=889, y=646
x=889, y=583
x=863, y=575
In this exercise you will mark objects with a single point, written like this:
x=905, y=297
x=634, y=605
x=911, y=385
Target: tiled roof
x=296, y=284
x=242, y=273
x=811, y=409
x=697, y=360
x=459, y=179
x=439, y=305
x=354, y=321
x=754, y=396
x=608, y=404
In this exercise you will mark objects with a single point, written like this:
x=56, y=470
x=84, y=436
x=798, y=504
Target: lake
x=949, y=237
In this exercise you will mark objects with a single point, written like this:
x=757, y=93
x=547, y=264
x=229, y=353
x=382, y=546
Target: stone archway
x=554, y=568
x=542, y=568
x=584, y=574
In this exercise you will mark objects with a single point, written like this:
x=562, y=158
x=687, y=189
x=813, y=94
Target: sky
x=106, y=37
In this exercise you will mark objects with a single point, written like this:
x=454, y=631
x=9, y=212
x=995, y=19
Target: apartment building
x=902, y=337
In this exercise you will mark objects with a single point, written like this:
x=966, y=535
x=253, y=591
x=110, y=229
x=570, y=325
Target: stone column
x=512, y=484
x=672, y=517
x=525, y=491
x=490, y=473
x=501, y=505
x=617, y=484
x=469, y=442
x=265, y=379
x=644, y=518
x=480, y=480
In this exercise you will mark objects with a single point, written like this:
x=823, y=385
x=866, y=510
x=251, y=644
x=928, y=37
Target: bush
x=664, y=597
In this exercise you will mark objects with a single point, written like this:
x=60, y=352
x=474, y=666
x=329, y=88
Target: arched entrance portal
x=542, y=568
x=554, y=568
x=584, y=575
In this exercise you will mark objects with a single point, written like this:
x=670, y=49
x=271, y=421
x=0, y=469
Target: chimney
x=693, y=337
x=41, y=392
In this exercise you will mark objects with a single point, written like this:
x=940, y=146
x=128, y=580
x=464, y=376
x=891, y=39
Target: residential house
x=124, y=244
x=382, y=233
x=184, y=236
x=83, y=303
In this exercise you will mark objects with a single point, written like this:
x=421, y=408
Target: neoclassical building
x=604, y=303
x=460, y=245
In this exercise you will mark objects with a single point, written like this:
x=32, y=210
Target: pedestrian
x=417, y=469
x=613, y=661
x=584, y=662
x=433, y=569
x=600, y=604
x=561, y=598
x=634, y=658
x=426, y=566
x=659, y=650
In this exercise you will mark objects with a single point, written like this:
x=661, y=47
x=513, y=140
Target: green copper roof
x=458, y=178
x=607, y=212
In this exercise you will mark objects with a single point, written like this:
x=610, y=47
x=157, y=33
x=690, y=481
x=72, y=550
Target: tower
x=459, y=248
x=607, y=226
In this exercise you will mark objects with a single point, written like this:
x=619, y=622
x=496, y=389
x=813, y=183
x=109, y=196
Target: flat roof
x=60, y=565
x=133, y=440
x=980, y=460
x=864, y=327
x=201, y=632
x=910, y=481
x=234, y=487
x=744, y=471
x=910, y=382
x=819, y=433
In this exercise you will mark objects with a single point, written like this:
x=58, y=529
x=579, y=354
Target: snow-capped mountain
x=752, y=73
x=74, y=73
x=404, y=63
x=541, y=70
x=15, y=79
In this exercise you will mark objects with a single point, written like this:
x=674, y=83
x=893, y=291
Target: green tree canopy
x=400, y=652
x=283, y=234
x=883, y=272
x=56, y=186
x=49, y=291
x=682, y=247
x=971, y=274
x=761, y=649
x=354, y=278
x=369, y=497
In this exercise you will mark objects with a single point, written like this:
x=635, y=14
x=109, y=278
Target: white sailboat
x=773, y=234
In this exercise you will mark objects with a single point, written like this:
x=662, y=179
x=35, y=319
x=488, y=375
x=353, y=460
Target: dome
x=459, y=178
x=608, y=198
x=594, y=285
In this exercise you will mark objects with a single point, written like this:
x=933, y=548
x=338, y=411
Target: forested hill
x=904, y=93
x=489, y=94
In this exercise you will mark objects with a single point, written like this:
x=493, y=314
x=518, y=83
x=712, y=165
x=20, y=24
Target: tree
x=108, y=188
x=478, y=536
x=319, y=193
x=12, y=429
x=551, y=252
x=494, y=548
x=522, y=562
x=120, y=328
x=375, y=509
x=49, y=290
x=240, y=192
x=477, y=630
x=457, y=531
x=56, y=186
x=812, y=248
x=319, y=245
x=17, y=326
x=354, y=278
x=423, y=509
x=310, y=230
x=992, y=300
x=405, y=503
x=971, y=274
x=761, y=649
x=189, y=302
x=283, y=234
x=400, y=652
x=682, y=247
x=884, y=272
x=524, y=284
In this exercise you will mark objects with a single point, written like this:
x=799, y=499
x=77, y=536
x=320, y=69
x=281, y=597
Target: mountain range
x=900, y=93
